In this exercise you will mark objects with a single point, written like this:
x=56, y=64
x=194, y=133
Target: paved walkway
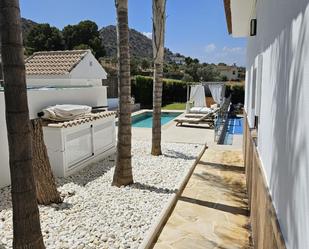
x=212, y=211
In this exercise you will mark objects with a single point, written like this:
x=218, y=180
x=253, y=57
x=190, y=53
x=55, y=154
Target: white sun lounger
x=208, y=118
x=196, y=115
x=200, y=110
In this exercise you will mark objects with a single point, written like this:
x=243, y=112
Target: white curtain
x=216, y=92
x=197, y=95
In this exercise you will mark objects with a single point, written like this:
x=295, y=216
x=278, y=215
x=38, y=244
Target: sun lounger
x=208, y=118
x=196, y=115
x=200, y=110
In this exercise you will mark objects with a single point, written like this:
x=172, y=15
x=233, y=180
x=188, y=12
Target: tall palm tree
x=158, y=33
x=26, y=219
x=123, y=171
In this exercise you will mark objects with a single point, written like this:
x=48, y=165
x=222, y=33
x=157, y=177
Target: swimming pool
x=235, y=127
x=144, y=119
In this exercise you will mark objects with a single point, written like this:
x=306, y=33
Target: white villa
x=230, y=72
x=65, y=77
x=277, y=113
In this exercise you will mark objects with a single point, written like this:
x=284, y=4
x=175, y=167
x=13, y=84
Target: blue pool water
x=235, y=127
x=145, y=119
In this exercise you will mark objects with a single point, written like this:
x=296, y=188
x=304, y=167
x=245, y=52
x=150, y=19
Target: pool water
x=235, y=127
x=145, y=119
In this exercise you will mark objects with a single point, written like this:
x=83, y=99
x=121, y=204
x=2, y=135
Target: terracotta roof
x=54, y=62
x=91, y=117
x=228, y=15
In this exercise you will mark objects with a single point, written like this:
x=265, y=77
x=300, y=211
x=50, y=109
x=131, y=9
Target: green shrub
x=173, y=91
x=238, y=92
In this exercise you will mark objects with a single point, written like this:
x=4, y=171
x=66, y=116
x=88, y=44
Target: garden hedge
x=173, y=91
x=238, y=92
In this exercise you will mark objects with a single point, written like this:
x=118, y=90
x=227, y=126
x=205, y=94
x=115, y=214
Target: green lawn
x=175, y=106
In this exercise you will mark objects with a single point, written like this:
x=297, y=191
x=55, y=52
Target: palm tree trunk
x=46, y=189
x=26, y=220
x=123, y=171
x=158, y=33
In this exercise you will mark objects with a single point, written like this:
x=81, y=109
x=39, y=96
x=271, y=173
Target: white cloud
x=229, y=55
x=148, y=34
x=210, y=48
x=234, y=49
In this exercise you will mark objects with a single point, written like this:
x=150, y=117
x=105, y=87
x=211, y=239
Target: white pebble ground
x=96, y=215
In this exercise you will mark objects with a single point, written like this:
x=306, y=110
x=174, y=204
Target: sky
x=195, y=28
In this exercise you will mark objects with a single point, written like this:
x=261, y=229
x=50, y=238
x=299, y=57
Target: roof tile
x=54, y=62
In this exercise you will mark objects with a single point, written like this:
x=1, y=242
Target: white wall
x=37, y=100
x=88, y=68
x=42, y=81
x=4, y=150
x=280, y=55
x=92, y=96
x=229, y=73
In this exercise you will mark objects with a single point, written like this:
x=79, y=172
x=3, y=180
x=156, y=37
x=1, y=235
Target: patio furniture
x=200, y=110
x=208, y=118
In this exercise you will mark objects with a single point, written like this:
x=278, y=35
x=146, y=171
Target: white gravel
x=95, y=214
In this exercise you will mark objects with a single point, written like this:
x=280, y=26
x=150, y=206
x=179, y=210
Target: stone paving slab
x=212, y=212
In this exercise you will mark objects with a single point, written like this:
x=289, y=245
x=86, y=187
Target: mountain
x=27, y=25
x=140, y=45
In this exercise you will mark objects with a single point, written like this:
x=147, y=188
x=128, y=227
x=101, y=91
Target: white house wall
x=4, y=150
x=242, y=12
x=281, y=48
x=92, y=96
x=49, y=81
x=88, y=68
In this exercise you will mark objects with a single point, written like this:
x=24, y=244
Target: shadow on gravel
x=61, y=206
x=177, y=154
x=5, y=199
x=142, y=186
x=89, y=173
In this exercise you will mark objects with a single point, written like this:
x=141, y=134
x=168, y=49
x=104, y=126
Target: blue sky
x=195, y=28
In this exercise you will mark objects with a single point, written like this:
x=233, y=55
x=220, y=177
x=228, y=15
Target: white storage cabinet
x=72, y=148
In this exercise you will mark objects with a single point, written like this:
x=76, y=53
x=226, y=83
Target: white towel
x=66, y=112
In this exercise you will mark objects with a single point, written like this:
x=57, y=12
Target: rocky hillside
x=140, y=45
x=27, y=25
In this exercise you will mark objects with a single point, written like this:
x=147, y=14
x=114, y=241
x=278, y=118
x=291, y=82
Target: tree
x=46, y=189
x=134, y=66
x=188, y=60
x=187, y=78
x=85, y=33
x=208, y=73
x=158, y=32
x=145, y=64
x=26, y=219
x=123, y=170
x=43, y=37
